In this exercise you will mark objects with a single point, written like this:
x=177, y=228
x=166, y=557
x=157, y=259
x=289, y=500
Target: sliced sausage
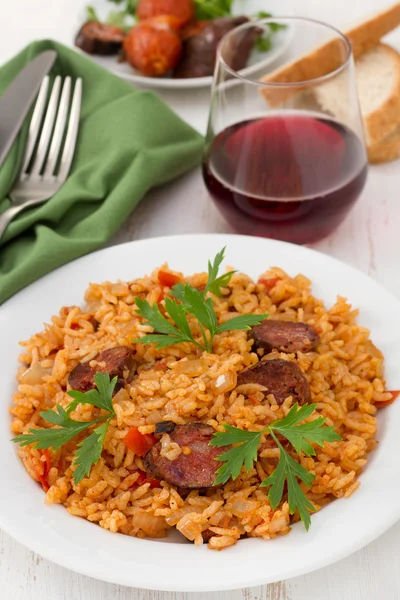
x=99, y=38
x=165, y=427
x=118, y=362
x=285, y=336
x=200, y=49
x=196, y=470
x=281, y=378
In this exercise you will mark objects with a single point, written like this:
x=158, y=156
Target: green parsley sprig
x=212, y=9
x=124, y=18
x=206, y=10
x=89, y=450
x=300, y=436
x=189, y=300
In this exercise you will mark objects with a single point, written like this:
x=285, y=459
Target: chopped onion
x=181, y=512
x=151, y=525
x=225, y=382
x=191, y=368
x=189, y=526
x=34, y=375
x=119, y=289
x=169, y=450
x=242, y=507
x=154, y=417
x=278, y=524
x=250, y=388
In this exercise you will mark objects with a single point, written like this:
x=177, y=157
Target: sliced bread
x=386, y=150
x=378, y=82
x=329, y=56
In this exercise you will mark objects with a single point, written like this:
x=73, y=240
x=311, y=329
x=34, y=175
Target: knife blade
x=19, y=97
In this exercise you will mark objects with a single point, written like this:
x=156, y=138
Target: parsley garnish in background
x=263, y=43
x=89, y=450
x=189, y=300
x=124, y=18
x=212, y=9
x=288, y=470
x=205, y=10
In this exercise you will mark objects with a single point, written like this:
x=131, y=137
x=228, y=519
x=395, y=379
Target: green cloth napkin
x=129, y=141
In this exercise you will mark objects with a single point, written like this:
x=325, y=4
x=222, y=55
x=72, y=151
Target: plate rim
x=335, y=555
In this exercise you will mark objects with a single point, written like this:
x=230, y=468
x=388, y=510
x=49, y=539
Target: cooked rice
x=182, y=385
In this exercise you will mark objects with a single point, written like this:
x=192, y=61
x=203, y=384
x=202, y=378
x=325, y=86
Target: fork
x=46, y=165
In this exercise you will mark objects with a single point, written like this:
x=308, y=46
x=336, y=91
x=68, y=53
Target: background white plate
x=340, y=529
x=258, y=63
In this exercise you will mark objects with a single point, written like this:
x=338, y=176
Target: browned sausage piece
x=196, y=470
x=118, y=362
x=285, y=336
x=200, y=49
x=282, y=378
x=99, y=38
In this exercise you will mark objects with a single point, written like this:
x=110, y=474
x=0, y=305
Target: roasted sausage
x=285, y=336
x=152, y=49
x=99, y=38
x=193, y=29
x=118, y=362
x=165, y=427
x=200, y=51
x=281, y=378
x=196, y=470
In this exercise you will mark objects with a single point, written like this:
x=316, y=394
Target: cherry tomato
x=44, y=477
x=153, y=51
x=183, y=9
x=154, y=483
x=163, y=22
x=168, y=279
x=139, y=443
x=270, y=282
x=395, y=395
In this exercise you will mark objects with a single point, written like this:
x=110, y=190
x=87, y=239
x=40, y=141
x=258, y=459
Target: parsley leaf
x=187, y=299
x=243, y=455
x=91, y=14
x=215, y=283
x=100, y=397
x=299, y=434
x=212, y=9
x=89, y=450
x=241, y=323
x=167, y=334
x=287, y=470
x=273, y=26
x=263, y=43
x=53, y=438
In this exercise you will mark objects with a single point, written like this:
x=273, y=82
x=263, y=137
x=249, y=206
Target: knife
x=19, y=97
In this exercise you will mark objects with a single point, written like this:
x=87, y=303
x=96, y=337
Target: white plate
x=259, y=62
x=338, y=530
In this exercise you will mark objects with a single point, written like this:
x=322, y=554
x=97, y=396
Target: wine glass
x=285, y=154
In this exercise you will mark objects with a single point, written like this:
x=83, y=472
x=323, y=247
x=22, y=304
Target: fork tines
x=53, y=128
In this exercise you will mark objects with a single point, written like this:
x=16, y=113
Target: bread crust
x=386, y=150
x=328, y=57
x=384, y=120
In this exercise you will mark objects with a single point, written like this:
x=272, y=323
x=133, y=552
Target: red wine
x=292, y=176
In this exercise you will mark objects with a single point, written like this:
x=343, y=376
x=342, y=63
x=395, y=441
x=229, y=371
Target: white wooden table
x=369, y=240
